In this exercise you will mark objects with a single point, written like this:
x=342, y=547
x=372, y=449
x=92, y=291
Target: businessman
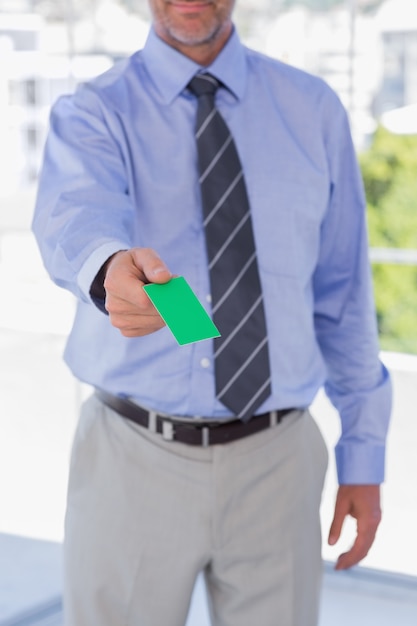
x=198, y=157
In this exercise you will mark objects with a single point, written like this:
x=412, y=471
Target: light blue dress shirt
x=120, y=171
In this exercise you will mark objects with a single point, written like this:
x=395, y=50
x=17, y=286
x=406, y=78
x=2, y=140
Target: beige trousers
x=145, y=516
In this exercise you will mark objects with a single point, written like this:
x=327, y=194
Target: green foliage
x=389, y=171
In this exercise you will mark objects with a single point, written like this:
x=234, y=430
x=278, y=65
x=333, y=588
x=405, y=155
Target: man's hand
x=129, y=307
x=363, y=503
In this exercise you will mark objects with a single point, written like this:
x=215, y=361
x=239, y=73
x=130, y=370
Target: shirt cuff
x=360, y=464
x=93, y=264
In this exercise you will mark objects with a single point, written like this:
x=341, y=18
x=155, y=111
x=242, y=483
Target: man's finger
x=131, y=320
x=150, y=264
x=340, y=513
x=358, y=551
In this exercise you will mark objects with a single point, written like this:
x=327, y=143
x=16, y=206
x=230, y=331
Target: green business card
x=181, y=310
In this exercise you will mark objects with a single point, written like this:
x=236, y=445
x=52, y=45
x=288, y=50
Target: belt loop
x=205, y=431
x=152, y=421
x=167, y=430
x=273, y=418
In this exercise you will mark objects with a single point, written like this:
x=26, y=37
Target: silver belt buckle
x=205, y=436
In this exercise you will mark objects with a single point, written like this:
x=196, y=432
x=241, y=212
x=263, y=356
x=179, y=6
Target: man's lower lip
x=190, y=7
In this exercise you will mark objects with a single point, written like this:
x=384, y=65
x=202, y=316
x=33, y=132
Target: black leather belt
x=192, y=432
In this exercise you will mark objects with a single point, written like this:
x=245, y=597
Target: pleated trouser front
x=145, y=516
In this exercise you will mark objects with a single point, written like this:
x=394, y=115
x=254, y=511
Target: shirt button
x=208, y=298
x=205, y=363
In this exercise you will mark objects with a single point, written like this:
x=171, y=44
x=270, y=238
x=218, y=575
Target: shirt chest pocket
x=287, y=218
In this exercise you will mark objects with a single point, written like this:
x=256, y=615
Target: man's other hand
x=361, y=502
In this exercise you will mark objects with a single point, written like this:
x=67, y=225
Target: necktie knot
x=203, y=85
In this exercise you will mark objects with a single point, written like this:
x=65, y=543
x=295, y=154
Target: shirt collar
x=171, y=71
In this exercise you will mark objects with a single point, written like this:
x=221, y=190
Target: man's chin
x=193, y=37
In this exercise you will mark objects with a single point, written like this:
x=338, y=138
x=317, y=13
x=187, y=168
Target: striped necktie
x=242, y=369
